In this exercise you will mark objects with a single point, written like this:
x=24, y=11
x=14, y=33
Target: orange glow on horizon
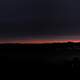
x=50, y=41
x=38, y=41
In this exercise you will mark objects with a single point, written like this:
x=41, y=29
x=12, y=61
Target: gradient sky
x=56, y=17
x=39, y=19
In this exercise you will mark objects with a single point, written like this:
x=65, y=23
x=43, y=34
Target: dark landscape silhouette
x=59, y=55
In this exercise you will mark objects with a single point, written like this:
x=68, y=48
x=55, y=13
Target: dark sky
x=56, y=17
x=39, y=18
x=15, y=18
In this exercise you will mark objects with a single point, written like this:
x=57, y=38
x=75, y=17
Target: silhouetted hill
x=57, y=54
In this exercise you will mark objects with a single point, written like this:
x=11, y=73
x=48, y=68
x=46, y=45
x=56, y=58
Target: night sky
x=15, y=18
x=39, y=19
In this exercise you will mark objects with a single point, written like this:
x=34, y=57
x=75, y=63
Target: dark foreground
x=57, y=56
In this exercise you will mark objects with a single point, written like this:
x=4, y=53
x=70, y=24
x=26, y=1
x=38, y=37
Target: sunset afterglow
x=38, y=41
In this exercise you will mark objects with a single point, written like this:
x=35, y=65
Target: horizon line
x=40, y=41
